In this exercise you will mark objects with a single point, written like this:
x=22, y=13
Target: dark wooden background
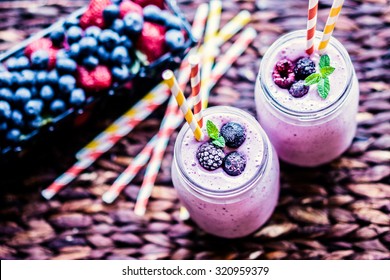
x=338, y=211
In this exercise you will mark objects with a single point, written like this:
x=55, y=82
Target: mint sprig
x=321, y=78
x=213, y=132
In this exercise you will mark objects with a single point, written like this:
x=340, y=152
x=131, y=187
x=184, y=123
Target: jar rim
x=306, y=115
x=250, y=183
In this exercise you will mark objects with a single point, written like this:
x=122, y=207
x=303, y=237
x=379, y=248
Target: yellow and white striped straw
x=172, y=84
x=330, y=24
x=200, y=19
x=213, y=21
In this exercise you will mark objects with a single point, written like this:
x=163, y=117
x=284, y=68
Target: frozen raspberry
x=234, y=134
x=210, y=156
x=304, y=68
x=298, y=89
x=234, y=163
x=283, y=74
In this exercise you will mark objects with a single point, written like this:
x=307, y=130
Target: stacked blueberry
x=291, y=76
x=211, y=155
x=85, y=55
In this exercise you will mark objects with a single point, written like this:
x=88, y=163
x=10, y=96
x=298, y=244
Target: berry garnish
x=234, y=163
x=210, y=156
x=321, y=78
x=234, y=134
x=303, y=68
x=283, y=74
x=298, y=89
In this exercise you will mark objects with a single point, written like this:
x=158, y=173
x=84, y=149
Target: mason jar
x=220, y=204
x=308, y=131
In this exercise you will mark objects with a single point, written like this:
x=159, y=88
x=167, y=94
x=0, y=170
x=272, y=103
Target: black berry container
x=118, y=97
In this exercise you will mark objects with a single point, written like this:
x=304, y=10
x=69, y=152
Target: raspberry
x=152, y=41
x=210, y=156
x=128, y=6
x=234, y=134
x=298, y=89
x=97, y=79
x=283, y=74
x=144, y=3
x=304, y=68
x=234, y=163
x=94, y=14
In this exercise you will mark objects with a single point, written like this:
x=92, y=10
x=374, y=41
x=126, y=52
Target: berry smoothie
x=307, y=124
x=229, y=191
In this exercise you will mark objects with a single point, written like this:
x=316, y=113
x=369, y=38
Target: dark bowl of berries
x=58, y=75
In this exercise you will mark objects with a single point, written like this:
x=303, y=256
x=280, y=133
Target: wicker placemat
x=338, y=211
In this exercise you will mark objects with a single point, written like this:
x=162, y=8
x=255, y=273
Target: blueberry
x=33, y=108
x=62, y=53
x=74, y=51
x=5, y=110
x=17, y=80
x=126, y=42
x=93, y=31
x=40, y=59
x=3, y=126
x=57, y=107
x=118, y=26
x=173, y=22
x=74, y=34
x=103, y=54
x=34, y=92
x=120, y=73
x=23, y=63
x=88, y=45
x=66, y=84
x=52, y=77
x=46, y=93
x=90, y=62
x=28, y=78
x=133, y=23
x=120, y=56
x=77, y=97
x=12, y=64
x=5, y=79
x=13, y=136
x=57, y=36
x=6, y=94
x=34, y=123
x=110, y=13
x=22, y=95
x=152, y=13
x=66, y=66
x=234, y=134
x=109, y=39
x=174, y=40
x=41, y=77
x=298, y=89
x=71, y=21
x=234, y=163
x=17, y=118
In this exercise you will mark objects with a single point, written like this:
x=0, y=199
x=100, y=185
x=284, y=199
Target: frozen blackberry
x=304, y=68
x=283, y=74
x=234, y=163
x=234, y=134
x=210, y=156
x=298, y=89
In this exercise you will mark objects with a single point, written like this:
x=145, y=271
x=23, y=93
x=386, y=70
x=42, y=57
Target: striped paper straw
x=238, y=47
x=213, y=20
x=195, y=85
x=330, y=24
x=311, y=25
x=200, y=21
x=121, y=127
x=171, y=81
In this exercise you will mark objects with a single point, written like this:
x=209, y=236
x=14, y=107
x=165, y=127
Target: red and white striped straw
x=311, y=25
x=195, y=86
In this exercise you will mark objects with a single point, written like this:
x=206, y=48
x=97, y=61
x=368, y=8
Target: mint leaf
x=324, y=61
x=212, y=130
x=220, y=142
x=323, y=87
x=313, y=79
x=326, y=71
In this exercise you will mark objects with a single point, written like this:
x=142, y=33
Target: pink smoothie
x=308, y=131
x=224, y=205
